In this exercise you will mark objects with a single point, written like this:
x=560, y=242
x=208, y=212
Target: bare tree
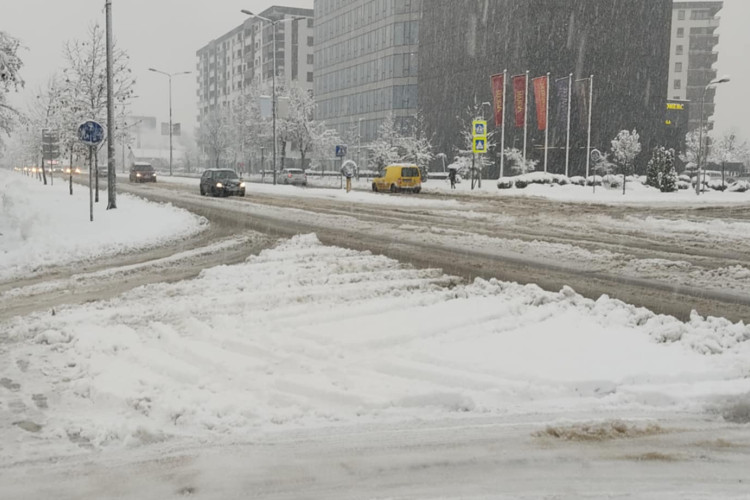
x=215, y=134
x=44, y=114
x=728, y=148
x=86, y=79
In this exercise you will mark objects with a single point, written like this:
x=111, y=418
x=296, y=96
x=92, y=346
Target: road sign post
x=478, y=146
x=91, y=133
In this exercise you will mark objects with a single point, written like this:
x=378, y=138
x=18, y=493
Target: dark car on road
x=142, y=172
x=221, y=182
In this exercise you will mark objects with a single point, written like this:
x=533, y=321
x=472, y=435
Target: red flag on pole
x=519, y=99
x=498, y=93
x=540, y=96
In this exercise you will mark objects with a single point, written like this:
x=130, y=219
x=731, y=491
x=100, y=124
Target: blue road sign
x=341, y=151
x=91, y=133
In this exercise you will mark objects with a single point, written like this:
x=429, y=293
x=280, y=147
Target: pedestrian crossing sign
x=480, y=145
x=479, y=128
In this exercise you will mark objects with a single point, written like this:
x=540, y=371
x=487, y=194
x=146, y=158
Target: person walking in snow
x=452, y=177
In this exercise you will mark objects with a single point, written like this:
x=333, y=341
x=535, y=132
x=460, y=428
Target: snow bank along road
x=671, y=259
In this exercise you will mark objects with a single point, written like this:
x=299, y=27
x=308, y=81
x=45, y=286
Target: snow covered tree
x=625, y=147
x=85, y=76
x=661, y=172
x=300, y=122
x=669, y=175
x=44, y=113
x=250, y=130
x=416, y=146
x=518, y=165
x=653, y=169
x=10, y=78
x=728, y=149
x=85, y=83
x=324, y=141
x=691, y=151
x=385, y=147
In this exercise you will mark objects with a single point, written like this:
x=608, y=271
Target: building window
x=309, y=41
x=681, y=15
x=680, y=50
x=309, y=76
x=680, y=32
x=677, y=84
x=310, y=58
x=678, y=67
x=700, y=15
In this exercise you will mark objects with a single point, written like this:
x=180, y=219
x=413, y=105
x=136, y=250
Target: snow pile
x=304, y=335
x=43, y=226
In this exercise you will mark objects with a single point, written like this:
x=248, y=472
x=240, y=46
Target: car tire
x=394, y=189
x=374, y=187
x=417, y=190
x=203, y=192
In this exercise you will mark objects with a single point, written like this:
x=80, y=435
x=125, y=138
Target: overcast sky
x=165, y=34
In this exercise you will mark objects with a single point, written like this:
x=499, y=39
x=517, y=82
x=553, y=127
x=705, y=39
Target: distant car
x=142, y=172
x=221, y=182
x=103, y=171
x=294, y=176
x=397, y=178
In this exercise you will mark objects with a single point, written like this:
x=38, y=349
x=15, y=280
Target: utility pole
x=111, y=174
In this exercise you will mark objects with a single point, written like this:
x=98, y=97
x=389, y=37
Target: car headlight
x=219, y=185
x=137, y=175
x=242, y=184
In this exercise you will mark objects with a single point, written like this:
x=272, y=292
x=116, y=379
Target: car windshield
x=226, y=174
x=144, y=168
x=294, y=171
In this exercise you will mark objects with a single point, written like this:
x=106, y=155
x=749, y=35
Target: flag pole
x=567, y=141
x=546, y=128
x=588, y=144
x=502, y=128
x=525, y=118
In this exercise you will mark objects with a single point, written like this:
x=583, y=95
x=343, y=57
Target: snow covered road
x=313, y=371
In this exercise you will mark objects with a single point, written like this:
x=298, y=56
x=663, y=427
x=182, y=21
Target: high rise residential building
x=366, y=64
x=244, y=57
x=693, y=55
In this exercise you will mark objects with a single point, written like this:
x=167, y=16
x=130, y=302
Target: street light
x=170, y=75
x=712, y=83
x=273, y=73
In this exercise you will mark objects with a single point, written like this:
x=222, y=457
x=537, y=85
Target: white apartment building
x=693, y=55
x=244, y=56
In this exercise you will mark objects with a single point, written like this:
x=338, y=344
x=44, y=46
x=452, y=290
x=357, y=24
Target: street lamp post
x=273, y=24
x=712, y=83
x=170, y=75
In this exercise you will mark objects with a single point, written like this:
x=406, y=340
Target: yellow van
x=399, y=177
